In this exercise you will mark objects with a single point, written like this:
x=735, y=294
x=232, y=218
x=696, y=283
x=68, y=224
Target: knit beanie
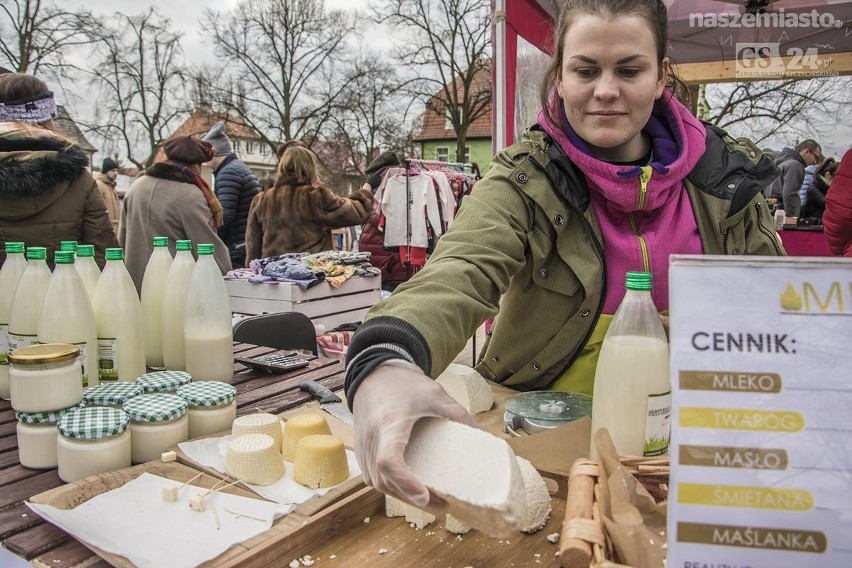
x=108, y=164
x=377, y=167
x=218, y=139
x=188, y=150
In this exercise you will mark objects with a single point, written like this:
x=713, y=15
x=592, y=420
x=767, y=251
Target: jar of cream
x=212, y=407
x=92, y=440
x=157, y=422
x=163, y=381
x=45, y=377
x=37, y=435
x=111, y=394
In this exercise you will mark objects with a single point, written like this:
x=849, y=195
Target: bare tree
x=790, y=110
x=449, y=43
x=280, y=65
x=141, y=80
x=36, y=34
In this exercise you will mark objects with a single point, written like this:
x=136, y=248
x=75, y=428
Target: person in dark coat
x=235, y=186
x=792, y=163
x=837, y=217
x=814, y=203
x=372, y=240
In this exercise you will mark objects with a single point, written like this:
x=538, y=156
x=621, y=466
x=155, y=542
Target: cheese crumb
x=294, y=564
x=366, y=520
x=382, y=551
x=170, y=493
x=168, y=456
x=333, y=556
x=553, y=537
x=196, y=502
x=307, y=560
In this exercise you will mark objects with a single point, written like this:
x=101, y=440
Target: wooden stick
x=190, y=481
x=212, y=490
x=215, y=516
x=215, y=485
x=576, y=552
x=244, y=515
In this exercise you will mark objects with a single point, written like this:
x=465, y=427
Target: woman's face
x=608, y=83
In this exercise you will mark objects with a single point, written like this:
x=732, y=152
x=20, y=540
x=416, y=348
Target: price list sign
x=761, y=450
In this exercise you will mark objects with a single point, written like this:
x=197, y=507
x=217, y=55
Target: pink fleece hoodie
x=664, y=220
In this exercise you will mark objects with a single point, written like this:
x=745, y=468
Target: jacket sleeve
x=335, y=212
x=790, y=191
x=195, y=218
x=97, y=228
x=254, y=231
x=228, y=187
x=815, y=197
x=837, y=218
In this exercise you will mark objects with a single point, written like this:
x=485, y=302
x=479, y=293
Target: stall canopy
x=709, y=40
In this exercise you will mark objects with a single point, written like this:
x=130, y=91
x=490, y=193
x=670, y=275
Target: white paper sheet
x=134, y=521
x=211, y=453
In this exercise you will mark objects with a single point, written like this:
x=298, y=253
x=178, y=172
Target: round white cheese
x=260, y=423
x=254, y=458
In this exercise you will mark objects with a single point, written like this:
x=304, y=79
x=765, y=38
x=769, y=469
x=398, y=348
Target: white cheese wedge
x=260, y=423
x=300, y=426
x=473, y=471
x=455, y=526
x=467, y=387
x=418, y=517
x=537, y=497
x=395, y=507
x=254, y=458
x=170, y=493
x=320, y=461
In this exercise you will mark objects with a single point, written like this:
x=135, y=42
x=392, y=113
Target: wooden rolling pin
x=579, y=529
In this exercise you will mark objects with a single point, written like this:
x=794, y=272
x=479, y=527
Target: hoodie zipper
x=644, y=178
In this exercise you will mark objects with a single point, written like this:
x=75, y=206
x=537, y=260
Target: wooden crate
x=323, y=303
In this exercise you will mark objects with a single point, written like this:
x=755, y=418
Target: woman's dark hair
x=654, y=11
x=828, y=166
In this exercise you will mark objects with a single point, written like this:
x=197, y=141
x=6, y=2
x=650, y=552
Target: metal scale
x=538, y=411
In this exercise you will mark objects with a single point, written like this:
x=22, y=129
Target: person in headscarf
x=47, y=194
x=171, y=199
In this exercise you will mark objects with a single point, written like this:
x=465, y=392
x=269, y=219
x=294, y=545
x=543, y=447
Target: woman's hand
x=386, y=406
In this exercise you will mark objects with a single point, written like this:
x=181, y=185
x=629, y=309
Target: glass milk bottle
x=153, y=283
x=10, y=273
x=207, y=332
x=118, y=318
x=67, y=316
x=632, y=393
x=87, y=268
x=174, y=306
x=28, y=299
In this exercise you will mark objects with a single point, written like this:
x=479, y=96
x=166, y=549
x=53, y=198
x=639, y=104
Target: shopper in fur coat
x=298, y=213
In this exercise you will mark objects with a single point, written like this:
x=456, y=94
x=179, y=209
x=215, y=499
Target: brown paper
x=633, y=520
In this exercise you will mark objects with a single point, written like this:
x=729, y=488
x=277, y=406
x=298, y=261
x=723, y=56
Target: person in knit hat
x=171, y=199
x=235, y=186
x=47, y=194
x=106, y=185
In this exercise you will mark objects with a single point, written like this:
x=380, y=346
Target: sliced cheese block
x=418, y=517
x=395, y=507
x=320, y=461
x=473, y=471
x=455, y=526
x=538, y=497
x=254, y=458
x=467, y=387
x=299, y=426
x=260, y=423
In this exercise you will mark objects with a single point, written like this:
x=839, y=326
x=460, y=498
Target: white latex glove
x=387, y=404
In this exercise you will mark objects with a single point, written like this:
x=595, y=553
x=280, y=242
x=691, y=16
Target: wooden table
x=24, y=532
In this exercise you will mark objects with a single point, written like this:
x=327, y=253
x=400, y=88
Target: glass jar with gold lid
x=45, y=377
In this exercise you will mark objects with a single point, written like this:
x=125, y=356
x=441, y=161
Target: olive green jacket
x=526, y=243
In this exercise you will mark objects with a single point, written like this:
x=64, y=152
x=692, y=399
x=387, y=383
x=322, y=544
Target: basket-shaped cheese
x=254, y=458
x=298, y=427
x=261, y=423
x=320, y=461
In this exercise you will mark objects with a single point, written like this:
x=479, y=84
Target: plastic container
x=112, y=394
x=778, y=218
x=37, y=438
x=29, y=297
x=211, y=407
x=632, y=392
x=45, y=377
x=87, y=268
x=157, y=422
x=163, y=381
x=118, y=319
x=153, y=284
x=67, y=317
x=10, y=273
x=92, y=440
x=208, y=333
x=174, y=307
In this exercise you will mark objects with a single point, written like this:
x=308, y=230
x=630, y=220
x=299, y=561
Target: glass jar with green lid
x=112, y=394
x=157, y=422
x=212, y=407
x=36, y=434
x=45, y=377
x=163, y=381
x=92, y=440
